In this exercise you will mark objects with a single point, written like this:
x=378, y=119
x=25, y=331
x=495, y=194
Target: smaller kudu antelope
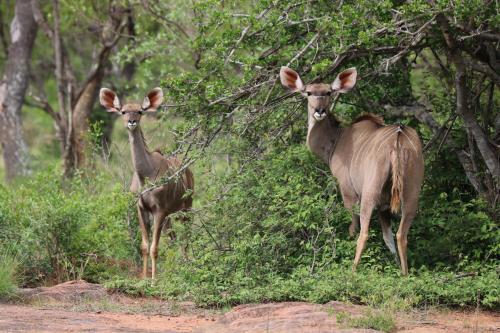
x=162, y=201
x=377, y=166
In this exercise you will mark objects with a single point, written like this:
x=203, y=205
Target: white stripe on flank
x=415, y=148
x=387, y=138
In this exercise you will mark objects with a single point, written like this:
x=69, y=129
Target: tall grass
x=8, y=275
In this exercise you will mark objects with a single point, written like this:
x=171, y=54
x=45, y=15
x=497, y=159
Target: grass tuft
x=372, y=319
x=8, y=276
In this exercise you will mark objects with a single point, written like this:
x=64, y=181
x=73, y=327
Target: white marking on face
x=319, y=116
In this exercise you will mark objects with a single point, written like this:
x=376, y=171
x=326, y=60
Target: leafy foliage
x=268, y=222
x=381, y=321
x=279, y=232
x=64, y=230
x=8, y=274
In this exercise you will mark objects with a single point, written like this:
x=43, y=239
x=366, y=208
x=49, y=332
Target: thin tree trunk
x=81, y=115
x=13, y=88
x=126, y=73
x=462, y=103
x=75, y=107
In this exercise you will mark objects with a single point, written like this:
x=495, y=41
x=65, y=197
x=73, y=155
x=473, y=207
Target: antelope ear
x=109, y=100
x=153, y=100
x=291, y=79
x=345, y=81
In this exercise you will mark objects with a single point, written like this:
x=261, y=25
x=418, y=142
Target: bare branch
x=165, y=21
x=301, y=52
x=480, y=67
x=417, y=111
x=417, y=37
x=485, y=35
x=44, y=105
x=462, y=101
x=40, y=19
x=244, y=32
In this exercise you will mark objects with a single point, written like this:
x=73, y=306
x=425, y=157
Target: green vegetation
x=377, y=320
x=378, y=289
x=65, y=230
x=280, y=233
x=268, y=222
x=8, y=275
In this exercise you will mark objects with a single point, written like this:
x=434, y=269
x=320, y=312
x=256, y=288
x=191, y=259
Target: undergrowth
x=279, y=233
x=379, y=289
x=8, y=275
x=372, y=319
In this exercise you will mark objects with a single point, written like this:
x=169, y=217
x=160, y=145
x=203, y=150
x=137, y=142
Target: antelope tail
x=397, y=174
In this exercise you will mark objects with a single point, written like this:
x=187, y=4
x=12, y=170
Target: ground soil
x=78, y=306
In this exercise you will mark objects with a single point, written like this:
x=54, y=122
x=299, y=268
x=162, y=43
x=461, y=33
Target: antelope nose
x=132, y=122
x=320, y=110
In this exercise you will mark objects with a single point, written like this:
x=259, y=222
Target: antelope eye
x=309, y=93
x=140, y=112
x=329, y=93
x=123, y=112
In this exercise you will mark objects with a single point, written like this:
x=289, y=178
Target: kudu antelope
x=150, y=166
x=377, y=166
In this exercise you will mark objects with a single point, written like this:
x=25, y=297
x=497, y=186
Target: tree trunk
x=81, y=115
x=126, y=73
x=13, y=88
x=462, y=102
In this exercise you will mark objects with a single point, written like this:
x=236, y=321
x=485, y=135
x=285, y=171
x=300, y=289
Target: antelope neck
x=322, y=137
x=140, y=155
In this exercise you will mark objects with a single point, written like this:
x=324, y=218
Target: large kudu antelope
x=150, y=166
x=377, y=166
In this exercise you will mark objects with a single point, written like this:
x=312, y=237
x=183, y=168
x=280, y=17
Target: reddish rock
x=288, y=317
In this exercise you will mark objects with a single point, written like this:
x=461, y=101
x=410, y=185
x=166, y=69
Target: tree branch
x=166, y=22
x=44, y=105
x=301, y=52
x=462, y=101
x=40, y=19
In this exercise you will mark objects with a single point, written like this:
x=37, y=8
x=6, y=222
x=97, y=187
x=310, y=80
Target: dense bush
x=275, y=230
x=8, y=274
x=279, y=232
x=65, y=230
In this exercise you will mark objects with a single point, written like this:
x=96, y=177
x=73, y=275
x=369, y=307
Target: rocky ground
x=78, y=306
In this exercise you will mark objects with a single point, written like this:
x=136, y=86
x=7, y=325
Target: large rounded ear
x=291, y=79
x=153, y=100
x=345, y=81
x=109, y=100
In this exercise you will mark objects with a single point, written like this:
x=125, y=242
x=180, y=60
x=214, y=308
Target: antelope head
x=131, y=112
x=319, y=95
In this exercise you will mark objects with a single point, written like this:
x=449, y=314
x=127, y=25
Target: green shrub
x=65, y=230
x=8, y=274
x=280, y=233
x=377, y=320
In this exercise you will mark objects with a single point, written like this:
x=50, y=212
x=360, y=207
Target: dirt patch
x=289, y=317
x=67, y=291
x=78, y=306
x=15, y=318
x=295, y=317
x=447, y=321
